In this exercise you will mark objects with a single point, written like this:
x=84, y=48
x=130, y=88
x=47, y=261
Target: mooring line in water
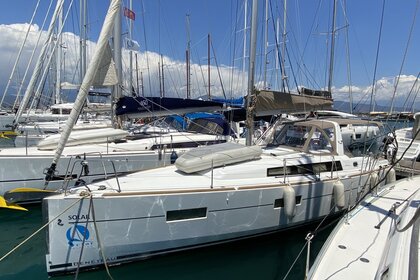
x=36, y=232
x=92, y=210
x=99, y=242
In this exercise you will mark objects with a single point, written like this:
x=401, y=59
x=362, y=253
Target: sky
x=161, y=29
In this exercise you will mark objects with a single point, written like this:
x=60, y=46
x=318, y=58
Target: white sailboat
x=405, y=148
x=379, y=239
x=210, y=196
x=213, y=194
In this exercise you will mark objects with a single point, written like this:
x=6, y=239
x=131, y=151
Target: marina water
x=265, y=257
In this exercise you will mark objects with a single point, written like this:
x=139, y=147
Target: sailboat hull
x=137, y=225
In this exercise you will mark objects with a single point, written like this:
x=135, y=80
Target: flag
x=132, y=45
x=129, y=13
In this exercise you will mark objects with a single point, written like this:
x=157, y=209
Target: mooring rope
x=36, y=232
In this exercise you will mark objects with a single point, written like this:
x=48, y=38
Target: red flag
x=129, y=13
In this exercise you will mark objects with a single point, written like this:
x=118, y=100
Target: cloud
x=402, y=89
x=225, y=79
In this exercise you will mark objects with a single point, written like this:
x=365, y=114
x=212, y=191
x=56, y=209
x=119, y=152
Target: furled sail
x=88, y=81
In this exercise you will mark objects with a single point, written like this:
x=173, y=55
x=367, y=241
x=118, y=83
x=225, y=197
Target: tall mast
x=137, y=75
x=187, y=56
x=245, y=37
x=277, y=62
x=283, y=51
x=116, y=91
x=163, y=77
x=160, y=80
x=38, y=66
x=252, y=54
x=83, y=35
x=58, y=63
x=208, y=64
x=130, y=35
x=330, y=77
x=265, y=44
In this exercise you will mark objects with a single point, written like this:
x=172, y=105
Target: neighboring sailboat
x=379, y=239
x=405, y=148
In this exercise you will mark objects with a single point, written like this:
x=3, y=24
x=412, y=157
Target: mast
x=163, y=77
x=38, y=65
x=142, y=83
x=116, y=90
x=137, y=76
x=112, y=15
x=160, y=80
x=208, y=64
x=187, y=56
x=58, y=63
x=130, y=35
x=265, y=44
x=83, y=35
x=330, y=77
x=252, y=54
x=283, y=51
x=245, y=37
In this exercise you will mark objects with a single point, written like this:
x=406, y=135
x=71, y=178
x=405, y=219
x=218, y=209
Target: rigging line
x=415, y=96
x=377, y=56
x=53, y=46
x=233, y=48
x=32, y=55
x=99, y=241
x=277, y=44
x=409, y=94
x=41, y=228
x=19, y=53
x=404, y=56
x=145, y=45
x=218, y=70
x=344, y=6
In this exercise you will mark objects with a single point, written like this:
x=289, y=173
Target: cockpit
x=304, y=136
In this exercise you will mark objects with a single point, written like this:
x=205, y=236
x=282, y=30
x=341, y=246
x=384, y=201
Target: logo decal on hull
x=77, y=234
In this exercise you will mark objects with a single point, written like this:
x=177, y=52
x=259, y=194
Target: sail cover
x=275, y=102
x=140, y=107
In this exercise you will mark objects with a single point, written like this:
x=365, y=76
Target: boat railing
x=84, y=171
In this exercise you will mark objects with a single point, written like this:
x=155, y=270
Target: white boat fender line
x=40, y=229
x=338, y=194
x=391, y=176
x=373, y=180
x=289, y=197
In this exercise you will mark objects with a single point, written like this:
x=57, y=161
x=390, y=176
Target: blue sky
x=308, y=22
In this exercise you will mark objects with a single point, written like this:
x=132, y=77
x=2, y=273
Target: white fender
x=289, y=197
x=374, y=178
x=391, y=176
x=338, y=194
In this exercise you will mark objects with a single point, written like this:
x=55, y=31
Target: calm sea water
x=265, y=257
